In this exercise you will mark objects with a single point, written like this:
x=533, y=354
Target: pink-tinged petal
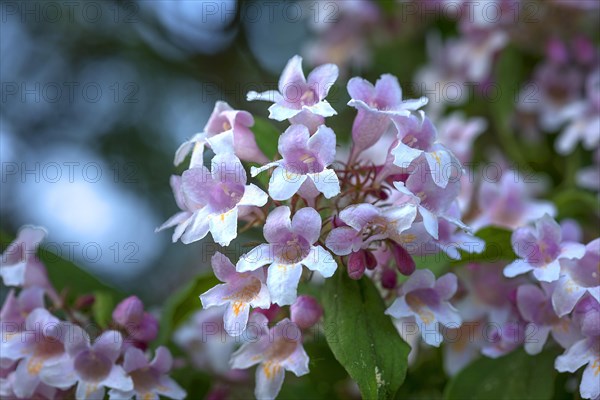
x=326, y=182
x=441, y=166
x=76, y=340
x=252, y=353
x=59, y=373
x=323, y=144
x=169, y=388
x=236, y=318
x=447, y=315
x=322, y=78
x=524, y=243
x=295, y=137
x=404, y=155
x=196, y=183
x=226, y=167
x=88, y=390
x=253, y=196
x=420, y=279
x=109, y=344
x=269, y=379
x=446, y=286
x=430, y=332
x=263, y=298
x=114, y=394
x=574, y=358
x=399, y=309
x=343, y=240
x=590, y=384
x=530, y=298
x=388, y=93
x=272, y=96
x=118, y=379
x=566, y=295
x=218, y=295
x=292, y=74
x=222, y=267
x=176, y=219
x=222, y=142
x=548, y=273
x=400, y=218
x=262, y=254
x=163, y=360
x=535, y=338
x=223, y=227
x=361, y=89
x=572, y=250
x=320, y=260
x=517, y=267
x=26, y=379
x=196, y=143
x=297, y=362
x=282, y=281
x=284, y=184
x=278, y=223
x=359, y=215
x=13, y=347
x=430, y=221
x=13, y=275
x=322, y=108
x=280, y=112
x=134, y=359
x=307, y=223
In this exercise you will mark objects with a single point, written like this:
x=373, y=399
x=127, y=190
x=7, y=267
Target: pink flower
x=304, y=157
x=20, y=254
x=290, y=245
x=276, y=350
x=240, y=291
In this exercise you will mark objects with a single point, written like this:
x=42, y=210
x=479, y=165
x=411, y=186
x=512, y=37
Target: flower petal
x=262, y=254
x=216, y=296
x=517, y=267
x=326, y=182
x=322, y=78
x=253, y=196
x=320, y=260
x=284, y=184
x=307, y=223
x=297, y=362
x=109, y=344
x=282, y=281
x=269, y=379
x=343, y=240
x=236, y=318
x=223, y=227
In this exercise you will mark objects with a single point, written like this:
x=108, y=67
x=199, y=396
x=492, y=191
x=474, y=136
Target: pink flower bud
x=584, y=50
x=270, y=312
x=371, y=261
x=404, y=261
x=306, y=311
x=129, y=312
x=357, y=263
x=389, y=279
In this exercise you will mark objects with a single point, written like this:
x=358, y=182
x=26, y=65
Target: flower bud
x=371, y=261
x=357, y=263
x=270, y=312
x=129, y=311
x=389, y=278
x=557, y=51
x=404, y=261
x=306, y=311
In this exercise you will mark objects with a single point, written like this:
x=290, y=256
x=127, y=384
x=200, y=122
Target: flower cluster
x=321, y=209
x=53, y=350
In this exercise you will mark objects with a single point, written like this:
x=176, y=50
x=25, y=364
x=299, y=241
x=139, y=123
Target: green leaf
x=514, y=376
x=267, y=136
x=182, y=304
x=102, y=308
x=362, y=338
x=497, y=247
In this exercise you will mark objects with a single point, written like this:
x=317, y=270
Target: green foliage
x=104, y=304
x=517, y=375
x=497, y=247
x=267, y=136
x=362, y=338
x=182, y=304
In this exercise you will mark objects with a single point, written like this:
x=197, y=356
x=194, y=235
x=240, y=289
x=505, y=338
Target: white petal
x=322, y=108
x=326, y=182
x=517, y=267
x=253, y=196
x=257, y=257
x=223, y=227
x=269, y=378
x=282, y=281
x=320, y=260
x=284, y=184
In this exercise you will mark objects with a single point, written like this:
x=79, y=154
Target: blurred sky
x=96, y=97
